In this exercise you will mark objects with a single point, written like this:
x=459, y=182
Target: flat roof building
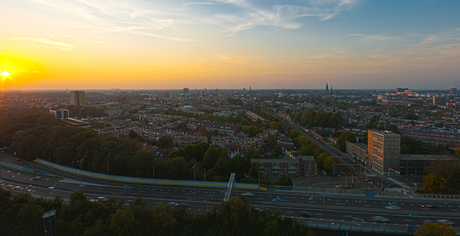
x=77, y=98
x=384, y=151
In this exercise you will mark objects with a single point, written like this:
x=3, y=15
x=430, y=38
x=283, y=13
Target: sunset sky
x=302, y=44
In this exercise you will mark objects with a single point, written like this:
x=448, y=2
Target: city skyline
x=359, y=44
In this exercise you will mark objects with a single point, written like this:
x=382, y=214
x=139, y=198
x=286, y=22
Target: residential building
x=77, y=98
x=60, y=114
x=300, y=166
x=453, y=90
x=439, y=100
x=415, y=164
x=384, y=151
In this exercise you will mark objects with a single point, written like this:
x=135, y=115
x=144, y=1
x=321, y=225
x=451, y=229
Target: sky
x=263, y=44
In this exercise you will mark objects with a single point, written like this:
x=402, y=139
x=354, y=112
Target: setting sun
x=5, y=73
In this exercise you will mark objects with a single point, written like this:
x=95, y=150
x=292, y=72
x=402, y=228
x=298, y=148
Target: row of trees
x=79, y=111
x=22, y=215
x=443, y=177
x=308, y=148
x=311, y=118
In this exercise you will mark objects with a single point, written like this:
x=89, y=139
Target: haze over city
x=80, y=44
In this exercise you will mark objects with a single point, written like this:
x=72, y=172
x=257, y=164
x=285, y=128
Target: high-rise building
x=384, y=151
x=400, y=90
x=327, y=88
x=185, y=90
x=77, y=98
x=439, y=100
x=453, y=90
x=60, y=114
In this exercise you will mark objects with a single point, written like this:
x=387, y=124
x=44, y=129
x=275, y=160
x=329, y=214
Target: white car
x=248, y=194
x=393, y=207
x=445, y=222
x=380, y=219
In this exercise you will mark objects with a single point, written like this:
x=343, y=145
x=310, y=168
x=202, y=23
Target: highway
x=327, y=207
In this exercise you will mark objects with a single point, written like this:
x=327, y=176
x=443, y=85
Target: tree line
x=309, y=118
x=22, y=215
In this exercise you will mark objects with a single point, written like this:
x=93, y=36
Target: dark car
x=18, y=159
x=430, y=206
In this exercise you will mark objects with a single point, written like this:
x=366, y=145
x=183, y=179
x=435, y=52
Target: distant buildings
x=77, y=98
x=301, y=166
x=60, y=114
x=384, y=151
x=453, y=90
x=439, y=100
x=400, y=90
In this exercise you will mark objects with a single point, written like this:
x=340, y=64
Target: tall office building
x=453, y=90
x=77, y=98
x=384, y=151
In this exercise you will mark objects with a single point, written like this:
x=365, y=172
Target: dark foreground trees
x=21, y=215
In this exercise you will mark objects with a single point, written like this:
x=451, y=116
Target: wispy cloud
x=279, y=16
x=61, y=45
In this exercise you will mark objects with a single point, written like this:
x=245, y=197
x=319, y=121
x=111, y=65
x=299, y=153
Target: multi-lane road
x=348, y=208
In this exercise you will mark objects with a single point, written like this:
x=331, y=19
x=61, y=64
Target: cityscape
x=233, y=117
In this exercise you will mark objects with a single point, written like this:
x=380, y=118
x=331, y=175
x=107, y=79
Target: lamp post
x=345, y=179
x=108, y=173
x=80, y=169
x=194, y=193
x=153, y=175
x=72, y=164
x=413, y=178
x=205, y=177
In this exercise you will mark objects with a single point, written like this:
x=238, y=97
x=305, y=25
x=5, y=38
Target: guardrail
x=363, y=193
x=127, y=179
x=15, y=167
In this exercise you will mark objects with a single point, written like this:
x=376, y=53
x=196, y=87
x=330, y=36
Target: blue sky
x=232, y=43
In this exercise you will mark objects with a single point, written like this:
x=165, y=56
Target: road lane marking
x=260, y=198
x=339, y=203
x=367, y=205
x=210, y=195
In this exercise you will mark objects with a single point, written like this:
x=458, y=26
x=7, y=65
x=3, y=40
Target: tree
x=433, y=183
x=165, y=141
x=322, y=119
x=335, y=121
x=285, y=181
x=343, y=138
x=253, y=154
x=274, y=125
x=364, y=137
x=393, y=128
x=457, y=151
x=294, y=134
x=132, y=134
x=272, y=141
x=122, y=222
x=329, y=164
x=430, y=229
x=306, y=118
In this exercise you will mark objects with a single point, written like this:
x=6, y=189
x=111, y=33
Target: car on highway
x=415, y=216
x=247, y=194
x=445, y=222
x=19, y=159
x=428, y=221
x=369, y=180
x=101, y=199
x=53, y=188
x=380, y=219
x=305, y=214
x=393, y=203
x=430, y=206
x=393, y=207
x=363, y=201
x=277, y=199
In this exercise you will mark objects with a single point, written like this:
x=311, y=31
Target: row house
x=300, y=166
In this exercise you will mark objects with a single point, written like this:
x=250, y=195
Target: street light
x=194, y=193
x=205, y=177
x=108, y=173
x=259, y=178
x=413, y=178
x=72, y=164
x=80, y=169
x=153, y=175
x=345, y=178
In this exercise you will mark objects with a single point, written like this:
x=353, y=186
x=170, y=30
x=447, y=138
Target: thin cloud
x=61, y=45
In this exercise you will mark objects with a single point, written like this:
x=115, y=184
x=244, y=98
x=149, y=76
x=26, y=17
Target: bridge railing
x=363, y=193
x=127, y=179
